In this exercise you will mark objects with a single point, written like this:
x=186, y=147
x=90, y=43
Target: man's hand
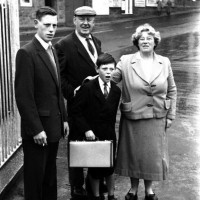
x=40, y=138
x=90, y=135
x=66, y=129
x=168, y=123
x=76, y=90
x=89, y=78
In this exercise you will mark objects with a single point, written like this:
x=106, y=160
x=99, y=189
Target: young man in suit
x=41, y=106
x=94, y=114
x=77, y=55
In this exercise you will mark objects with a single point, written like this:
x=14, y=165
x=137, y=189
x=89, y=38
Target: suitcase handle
x=96, y=139
x=85, y=139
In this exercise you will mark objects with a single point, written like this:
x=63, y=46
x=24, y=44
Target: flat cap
x=85, y=11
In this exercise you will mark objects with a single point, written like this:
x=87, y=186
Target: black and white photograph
x=26, y=3
x=99, y=100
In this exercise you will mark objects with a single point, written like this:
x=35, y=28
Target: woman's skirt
x=143, y=149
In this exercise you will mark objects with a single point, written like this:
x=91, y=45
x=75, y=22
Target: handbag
x=91, y=153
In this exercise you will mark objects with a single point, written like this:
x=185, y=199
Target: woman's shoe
x=151, y=197
x=131, y=196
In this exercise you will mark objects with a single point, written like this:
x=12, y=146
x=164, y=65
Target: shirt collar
x=101, y=83
x=42, y=42
x=81, y=37
x=137, y=56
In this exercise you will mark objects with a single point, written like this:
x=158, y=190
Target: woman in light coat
x=147, y=110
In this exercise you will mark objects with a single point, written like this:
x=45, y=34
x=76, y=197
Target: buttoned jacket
x=75, y=63
x=38, y=93
x=140, y=98
x=91, y=111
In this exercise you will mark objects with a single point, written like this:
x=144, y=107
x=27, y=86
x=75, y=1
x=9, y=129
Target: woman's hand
x=90, y=135
x=168, y=123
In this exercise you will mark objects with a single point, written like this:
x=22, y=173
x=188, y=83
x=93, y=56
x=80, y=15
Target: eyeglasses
x=88, y=19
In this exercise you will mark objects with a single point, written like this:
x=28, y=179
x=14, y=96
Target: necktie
x=105, y=90
x=51, y=56
x=90, y=47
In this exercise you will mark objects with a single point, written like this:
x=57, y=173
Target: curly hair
x=146, y=28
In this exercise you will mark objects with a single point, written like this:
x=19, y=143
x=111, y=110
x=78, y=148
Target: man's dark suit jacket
x=38, y=93
x=91, y=111
x=75, y=63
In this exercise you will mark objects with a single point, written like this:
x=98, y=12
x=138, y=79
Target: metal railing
x=9, y=118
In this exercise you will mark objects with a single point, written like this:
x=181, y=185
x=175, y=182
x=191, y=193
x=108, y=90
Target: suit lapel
x=45, y=58
x=98, y=48
x=157, y=67
x=57, y=63
x=112, y=93
x=82, y=51
x=98, y=92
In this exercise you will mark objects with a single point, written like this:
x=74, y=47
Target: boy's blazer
x=38, y=93
x=91, y=111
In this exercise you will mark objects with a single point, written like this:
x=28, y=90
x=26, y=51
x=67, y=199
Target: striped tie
x=90, y=47
x=105, y=90
x=50, y=53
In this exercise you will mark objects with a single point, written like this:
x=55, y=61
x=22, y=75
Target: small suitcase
x=91, y=153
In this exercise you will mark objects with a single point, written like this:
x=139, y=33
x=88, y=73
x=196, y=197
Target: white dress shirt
x=146, y=66
x=83, y=41
x=42, y=42
x=101, y=84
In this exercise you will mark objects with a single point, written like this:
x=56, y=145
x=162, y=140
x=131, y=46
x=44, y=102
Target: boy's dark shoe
x=151, y=197
x=131, y=196
x=112, y=197
x=78, y=193
x=94, y=198
x=90, y=197
x=102, y=186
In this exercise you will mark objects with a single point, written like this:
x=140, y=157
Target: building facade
x=65, y=8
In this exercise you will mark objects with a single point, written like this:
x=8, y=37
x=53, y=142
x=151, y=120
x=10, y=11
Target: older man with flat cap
x=77, y=55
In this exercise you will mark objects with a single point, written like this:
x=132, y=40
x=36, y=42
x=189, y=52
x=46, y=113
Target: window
x=25, y=3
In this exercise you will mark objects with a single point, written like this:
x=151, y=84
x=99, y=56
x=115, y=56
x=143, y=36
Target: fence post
x=10, y=139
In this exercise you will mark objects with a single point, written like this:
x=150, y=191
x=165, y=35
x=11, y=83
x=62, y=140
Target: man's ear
x=35, y=22
x=74, y=20
x=96, y=68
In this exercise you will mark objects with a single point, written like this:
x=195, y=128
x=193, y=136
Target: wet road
x=118, y=36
